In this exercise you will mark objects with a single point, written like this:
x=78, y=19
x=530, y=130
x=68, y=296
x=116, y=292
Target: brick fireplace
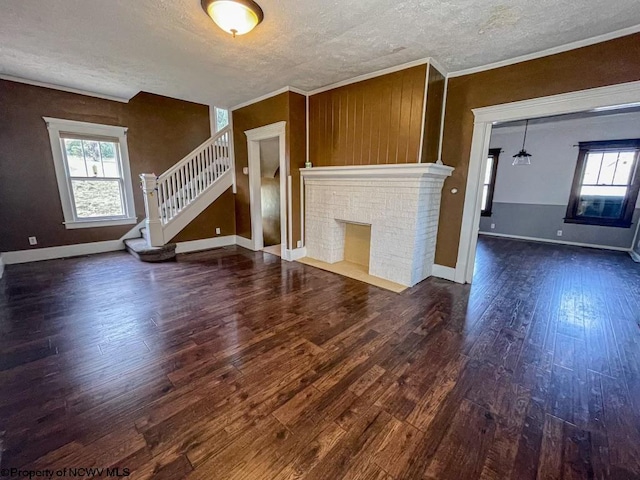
x=401, y=203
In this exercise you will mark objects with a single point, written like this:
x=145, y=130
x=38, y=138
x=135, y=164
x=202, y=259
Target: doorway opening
x=268, y=176
x=489, y=153
x=270, y=195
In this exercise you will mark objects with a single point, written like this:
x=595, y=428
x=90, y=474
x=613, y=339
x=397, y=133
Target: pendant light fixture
x=236, y=17
x=523, y=157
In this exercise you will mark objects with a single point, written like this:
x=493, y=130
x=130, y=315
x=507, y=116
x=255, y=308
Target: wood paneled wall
x=376, y=121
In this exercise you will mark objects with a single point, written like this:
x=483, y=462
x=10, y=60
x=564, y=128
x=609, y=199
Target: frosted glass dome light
x=236, y=17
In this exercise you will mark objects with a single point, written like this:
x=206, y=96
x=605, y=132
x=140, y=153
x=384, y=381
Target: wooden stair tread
x=139, y=248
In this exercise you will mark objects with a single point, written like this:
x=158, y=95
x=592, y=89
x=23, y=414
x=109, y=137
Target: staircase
x=175, y=198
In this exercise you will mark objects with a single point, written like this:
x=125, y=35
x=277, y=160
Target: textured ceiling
x=170, y=47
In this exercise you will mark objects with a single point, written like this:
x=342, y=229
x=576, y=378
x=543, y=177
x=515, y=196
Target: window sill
x=100, y=223
x=598, y=223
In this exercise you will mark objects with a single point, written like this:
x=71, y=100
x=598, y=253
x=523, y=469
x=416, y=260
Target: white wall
x=547, y=181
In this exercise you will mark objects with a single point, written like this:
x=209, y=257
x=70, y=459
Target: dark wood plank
x=235, y=365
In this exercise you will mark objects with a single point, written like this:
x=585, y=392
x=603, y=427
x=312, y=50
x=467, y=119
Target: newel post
x=155, y=233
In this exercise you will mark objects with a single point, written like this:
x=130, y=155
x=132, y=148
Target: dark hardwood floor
x=230, y=364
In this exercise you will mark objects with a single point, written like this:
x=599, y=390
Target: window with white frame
x=222, y=118
x=92, y=168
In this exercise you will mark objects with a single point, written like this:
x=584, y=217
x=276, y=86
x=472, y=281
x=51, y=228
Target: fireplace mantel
x=395, y=171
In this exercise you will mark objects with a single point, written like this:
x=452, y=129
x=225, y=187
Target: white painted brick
x=403, y=213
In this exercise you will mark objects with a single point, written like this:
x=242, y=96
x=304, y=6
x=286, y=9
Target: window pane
x=625, y=166
x=75, y=157
x=92, y=158
x=97, y=198
x=485, y=197
x=592, y=169
x=609, y=162
x=602, y=202
x=222, y=118
x=487, y=175
x=109, y=159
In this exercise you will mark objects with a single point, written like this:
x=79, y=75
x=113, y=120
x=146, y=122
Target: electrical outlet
x=493, y=226
x=218, y=231
x=559, y=233
x=299, y=244
x=33, y=241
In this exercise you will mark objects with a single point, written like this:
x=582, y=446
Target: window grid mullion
x=84, y=158
x=615, y=170
x=600, y=167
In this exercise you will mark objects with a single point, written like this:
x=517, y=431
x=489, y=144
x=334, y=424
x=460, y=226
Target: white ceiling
x=170, y=47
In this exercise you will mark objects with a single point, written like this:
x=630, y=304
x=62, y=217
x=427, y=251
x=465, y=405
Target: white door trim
x=275, y=130
x=485, y=117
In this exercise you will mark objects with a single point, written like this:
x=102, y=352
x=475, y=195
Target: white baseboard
x=634, y=255
x=556, y=242
x=50, y=253
x=245, y=243
x=296, y=254
x=65, y=251
x=205, y=244
x=446, y=273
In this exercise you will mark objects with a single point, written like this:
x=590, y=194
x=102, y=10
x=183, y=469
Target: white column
x=155, y=233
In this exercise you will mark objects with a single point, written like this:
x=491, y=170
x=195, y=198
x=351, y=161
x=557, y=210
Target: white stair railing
x=189, y=182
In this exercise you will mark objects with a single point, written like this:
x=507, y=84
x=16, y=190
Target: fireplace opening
x=357, y=245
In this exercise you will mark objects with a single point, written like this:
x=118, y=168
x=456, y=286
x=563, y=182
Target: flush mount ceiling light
x=523, y=157
x=236, y=17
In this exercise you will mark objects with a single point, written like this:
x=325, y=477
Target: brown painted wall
x=161, y=131
x=433, y=116
x=220, y=214
x=375, y=121
x=607, y=63
x=266, y=112
x=287, y=107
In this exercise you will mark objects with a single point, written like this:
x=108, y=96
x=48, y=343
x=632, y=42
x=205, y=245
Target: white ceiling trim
x=368, y=76
x=266, y=96
x=549, y=51
x=349, y=81
x=63, y=89
x=438, y=66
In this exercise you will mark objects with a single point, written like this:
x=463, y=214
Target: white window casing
x=58, y=129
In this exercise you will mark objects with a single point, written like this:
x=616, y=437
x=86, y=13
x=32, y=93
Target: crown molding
x=342, y=83
x=52, y=86
x=266, y=96
x=367, y=76
x=547, y=52
x=439, y=66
